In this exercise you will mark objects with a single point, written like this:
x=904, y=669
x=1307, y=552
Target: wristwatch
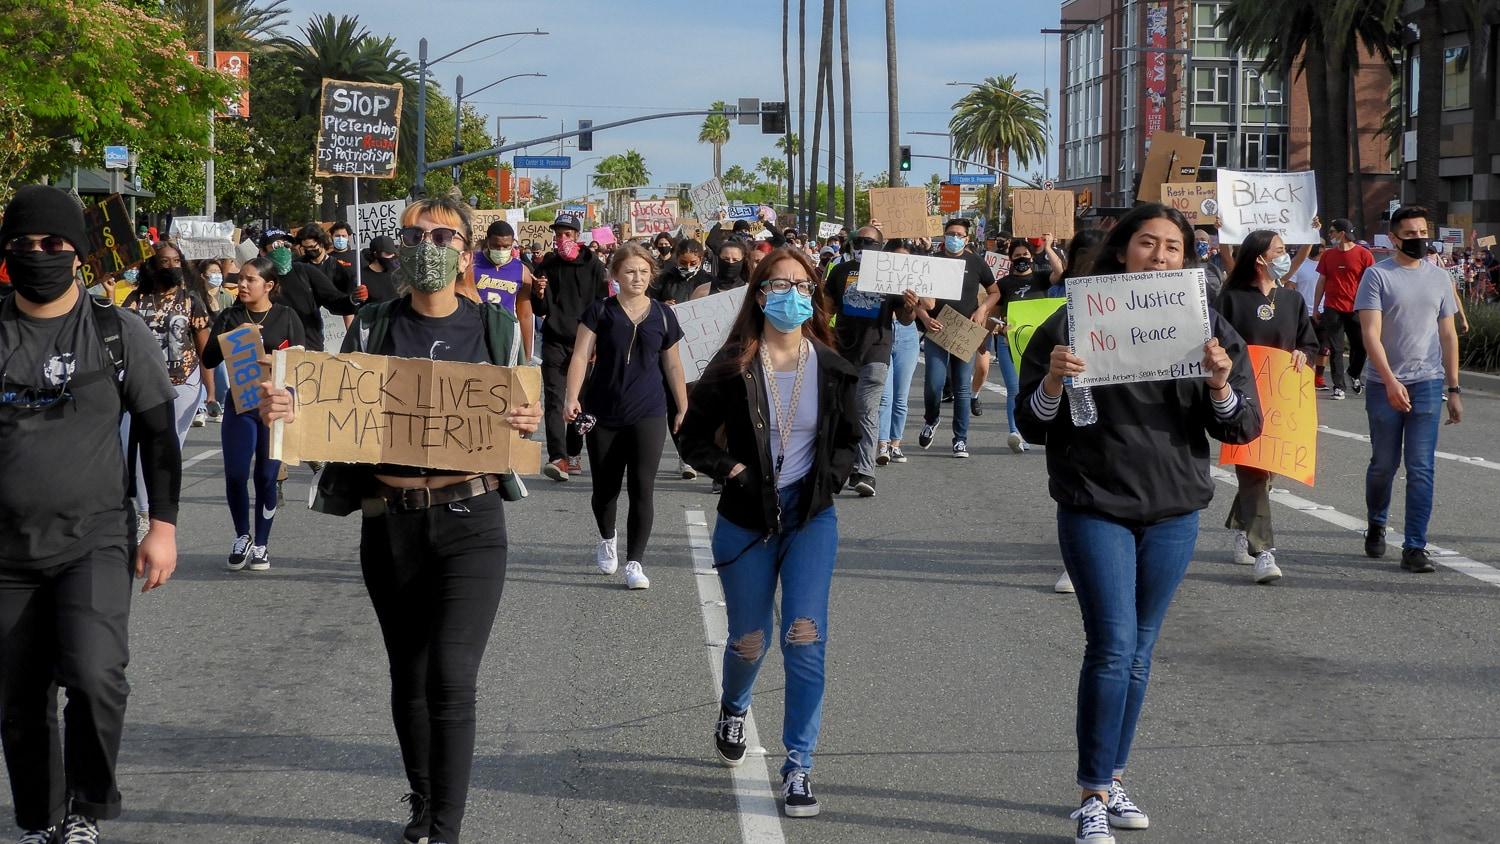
x=1455, y=390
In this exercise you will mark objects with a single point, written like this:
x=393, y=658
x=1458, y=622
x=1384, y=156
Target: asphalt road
x=1349, y=701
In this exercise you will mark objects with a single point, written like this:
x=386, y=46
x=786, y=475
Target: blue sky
x=611, y=59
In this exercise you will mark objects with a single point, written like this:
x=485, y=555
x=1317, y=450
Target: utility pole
x=458, y=122
x=208, y=166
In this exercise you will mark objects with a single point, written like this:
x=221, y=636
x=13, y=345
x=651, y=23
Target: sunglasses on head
x=52, y=244
x=413, y=235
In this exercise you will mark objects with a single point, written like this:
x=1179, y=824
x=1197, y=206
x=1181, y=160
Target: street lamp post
x=458, y=111
x=419, y=184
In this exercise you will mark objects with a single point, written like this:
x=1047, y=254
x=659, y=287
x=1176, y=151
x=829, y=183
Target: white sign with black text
x=1138, y=326
x=895, y=273
x=1286, y=203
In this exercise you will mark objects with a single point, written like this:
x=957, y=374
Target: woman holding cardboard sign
x=245, y=438
x=433, y=542
x=1265, y=314
x=1129, y=488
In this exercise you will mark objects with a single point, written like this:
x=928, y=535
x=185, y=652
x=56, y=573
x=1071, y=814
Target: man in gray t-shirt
x=1406, y=307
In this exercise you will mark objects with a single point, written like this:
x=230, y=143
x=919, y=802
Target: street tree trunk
x=1482, y=100
x=833, y=144
x=820, y=85
x=1356, y=159
x=802, y=114
x=786, y=98
x=849, y=186
x=1336, y=101
x=1430, y=109
x=893, y=114
x=1315, y=65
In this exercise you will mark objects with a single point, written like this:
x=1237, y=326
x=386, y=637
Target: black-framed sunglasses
x=52, y=244
x=859, y=244
x=782, y=285
x=32, y=398
x=442, y=236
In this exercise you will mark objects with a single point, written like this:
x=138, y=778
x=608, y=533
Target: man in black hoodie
x=304, y=289
x=569, y=279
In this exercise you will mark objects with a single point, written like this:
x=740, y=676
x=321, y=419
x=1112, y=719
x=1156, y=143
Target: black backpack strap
x=111, y=327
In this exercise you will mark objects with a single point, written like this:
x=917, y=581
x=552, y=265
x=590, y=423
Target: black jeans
x=631, y=454
x=1342, y=325
x=562, y=439
x=435, y=578
x=67, y=626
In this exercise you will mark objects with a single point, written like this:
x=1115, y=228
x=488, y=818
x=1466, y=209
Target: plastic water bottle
x=1081, y=405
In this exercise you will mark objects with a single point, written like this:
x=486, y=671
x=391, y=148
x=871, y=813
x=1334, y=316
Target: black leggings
x=636, y=447
x=435, y=578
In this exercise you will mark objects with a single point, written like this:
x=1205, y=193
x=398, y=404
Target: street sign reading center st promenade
x=972, y=179
x=544, y=162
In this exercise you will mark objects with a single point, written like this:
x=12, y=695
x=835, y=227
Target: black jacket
x=571, y=287
x=728, y=422
x=1146, y=459
x=305, y=289
x=672, y=286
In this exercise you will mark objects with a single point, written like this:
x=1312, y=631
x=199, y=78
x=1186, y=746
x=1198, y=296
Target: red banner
x=236, y=65
x=1156, y=70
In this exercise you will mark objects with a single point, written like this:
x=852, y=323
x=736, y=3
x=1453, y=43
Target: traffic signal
x=585, y=138
x=905, y=158
x=773, y=118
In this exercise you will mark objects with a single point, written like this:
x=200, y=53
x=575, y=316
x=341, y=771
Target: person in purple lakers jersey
x=501, y=276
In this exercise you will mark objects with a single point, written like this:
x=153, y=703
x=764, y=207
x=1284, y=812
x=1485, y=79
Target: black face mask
x=312, y=256
x=170, y=277
x=38, y=277
x=664, y=249
x=1021, y=266
x=729, y=269
x=232, y=279
x=390, y=264
x=1415, y=247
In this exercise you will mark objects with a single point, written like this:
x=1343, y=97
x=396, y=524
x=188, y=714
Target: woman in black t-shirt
x=635, y=339
x=245, y=437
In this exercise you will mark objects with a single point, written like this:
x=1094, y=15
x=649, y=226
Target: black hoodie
x=571, y=287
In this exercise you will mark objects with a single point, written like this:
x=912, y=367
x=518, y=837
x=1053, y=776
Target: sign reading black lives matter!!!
x=358, y=126
x=1138, y=326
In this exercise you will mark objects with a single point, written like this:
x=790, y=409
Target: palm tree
x=825, y=50
x=617, y=172
x=715, y=130
x=848, y=115
x=803, y=217
x=1430, y=96
x=784, y=142
x=996, y=121
x=893, y=114
x=773, y=168
x=736, y=176
x=238, y=24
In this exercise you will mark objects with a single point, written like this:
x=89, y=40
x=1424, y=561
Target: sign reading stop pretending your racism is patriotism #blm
x=1138, y=326
x=359, y=124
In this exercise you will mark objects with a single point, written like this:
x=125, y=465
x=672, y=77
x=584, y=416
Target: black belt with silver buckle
x=409, y=499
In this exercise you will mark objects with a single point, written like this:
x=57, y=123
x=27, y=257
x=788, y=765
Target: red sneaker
x=557, y=470
x=1320, y=384
x=575, y=464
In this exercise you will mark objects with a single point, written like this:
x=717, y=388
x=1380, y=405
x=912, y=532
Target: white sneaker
x=1266, y=569
x=201, y=417
x=635, y=578
x=604, y=556
x=1064, y=585
x=1123, y=814
x=687, y=472
x=1017, y=443
x=1241, y=554
x=1093, y=823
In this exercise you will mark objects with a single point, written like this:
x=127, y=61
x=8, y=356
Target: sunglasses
x=30, y=398
x=413, y=235
x=52, y=244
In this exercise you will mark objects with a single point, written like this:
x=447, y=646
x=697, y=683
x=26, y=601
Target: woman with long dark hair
x=783, y=398
x=1265, y=314
x=1129, y=488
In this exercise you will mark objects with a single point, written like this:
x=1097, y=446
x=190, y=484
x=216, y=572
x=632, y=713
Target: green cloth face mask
x=281, y=256
x=427, y=267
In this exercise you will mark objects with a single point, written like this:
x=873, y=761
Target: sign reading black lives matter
x=358, y=126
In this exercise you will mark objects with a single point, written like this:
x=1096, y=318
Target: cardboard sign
x=243, y=355
x=359, y=124
x=705, y=325
x=1038, y=212
x=936, y=225
x=1288, y=441
x=1285, y=203
x=827, y=230
x=534, y=231
x=1198, y=201
x=894, y=273
x=199, y=239
x=602, y=236
x=961, y=336
x=999, y=264
x=708, y=199
x=651, y=217
x=1138, y=326
x=480, y=221
x=360, y=408
x=1172, y=158
x=375, y=219
x=1486, y=241
x=902, y=212
x=113, y=246
x=1023, y=318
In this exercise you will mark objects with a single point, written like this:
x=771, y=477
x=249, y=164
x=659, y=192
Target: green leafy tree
x=101, y=73
x=241, y=25
x=615, y=173
x=543, y=190
x=715, y=130
x=1000, y=125
x=774, y=169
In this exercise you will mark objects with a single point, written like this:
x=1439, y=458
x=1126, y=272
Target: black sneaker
x=947, y=396
x=1417, y=560
x=1093, y=822
x=924, y=439
x=78, y=829
x=862, y=484
x=38, y=836
x=797, y=798
x=729, y=738
x=974, y=408
x=1375, y=541
x=239, y=552
x=421, y=818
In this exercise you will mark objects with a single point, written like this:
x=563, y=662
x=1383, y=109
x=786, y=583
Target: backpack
x=341, y=486
x=111, y=328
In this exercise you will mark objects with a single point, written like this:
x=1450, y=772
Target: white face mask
x=215, y=279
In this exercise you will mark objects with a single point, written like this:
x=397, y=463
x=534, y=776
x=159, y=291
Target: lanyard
x=784, y=418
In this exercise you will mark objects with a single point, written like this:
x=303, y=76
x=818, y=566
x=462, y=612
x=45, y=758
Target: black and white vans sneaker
x=729, y=738
x=260, y=558
x=38, y=836
x=1093, y=822
x=797, y=798
x=239, y=553
x=1124, y=814
x=78, y=829
x=421, y=819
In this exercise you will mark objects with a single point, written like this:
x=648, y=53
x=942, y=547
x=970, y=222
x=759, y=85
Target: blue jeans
x=898, y=381
x=1391, y=432
x=939, y=362
x=1124, y=576
x=221, y=384
x=749, y=564
x=1000, y=349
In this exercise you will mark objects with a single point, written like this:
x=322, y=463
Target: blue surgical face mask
x=1280, y=266
x=953, y=243
x=131, y=274
x=1204, y=247
x=787, y=311
x=340, y=243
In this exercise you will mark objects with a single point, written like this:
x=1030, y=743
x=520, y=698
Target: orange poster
x=1288, y=443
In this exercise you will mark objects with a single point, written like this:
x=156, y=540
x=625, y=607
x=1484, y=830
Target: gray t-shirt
x=1411, y=301
x=62, y=486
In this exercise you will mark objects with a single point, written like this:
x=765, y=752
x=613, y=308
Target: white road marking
x=1442, y=556
x=760, y=819
x=199, y=458
x=1443, y=455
